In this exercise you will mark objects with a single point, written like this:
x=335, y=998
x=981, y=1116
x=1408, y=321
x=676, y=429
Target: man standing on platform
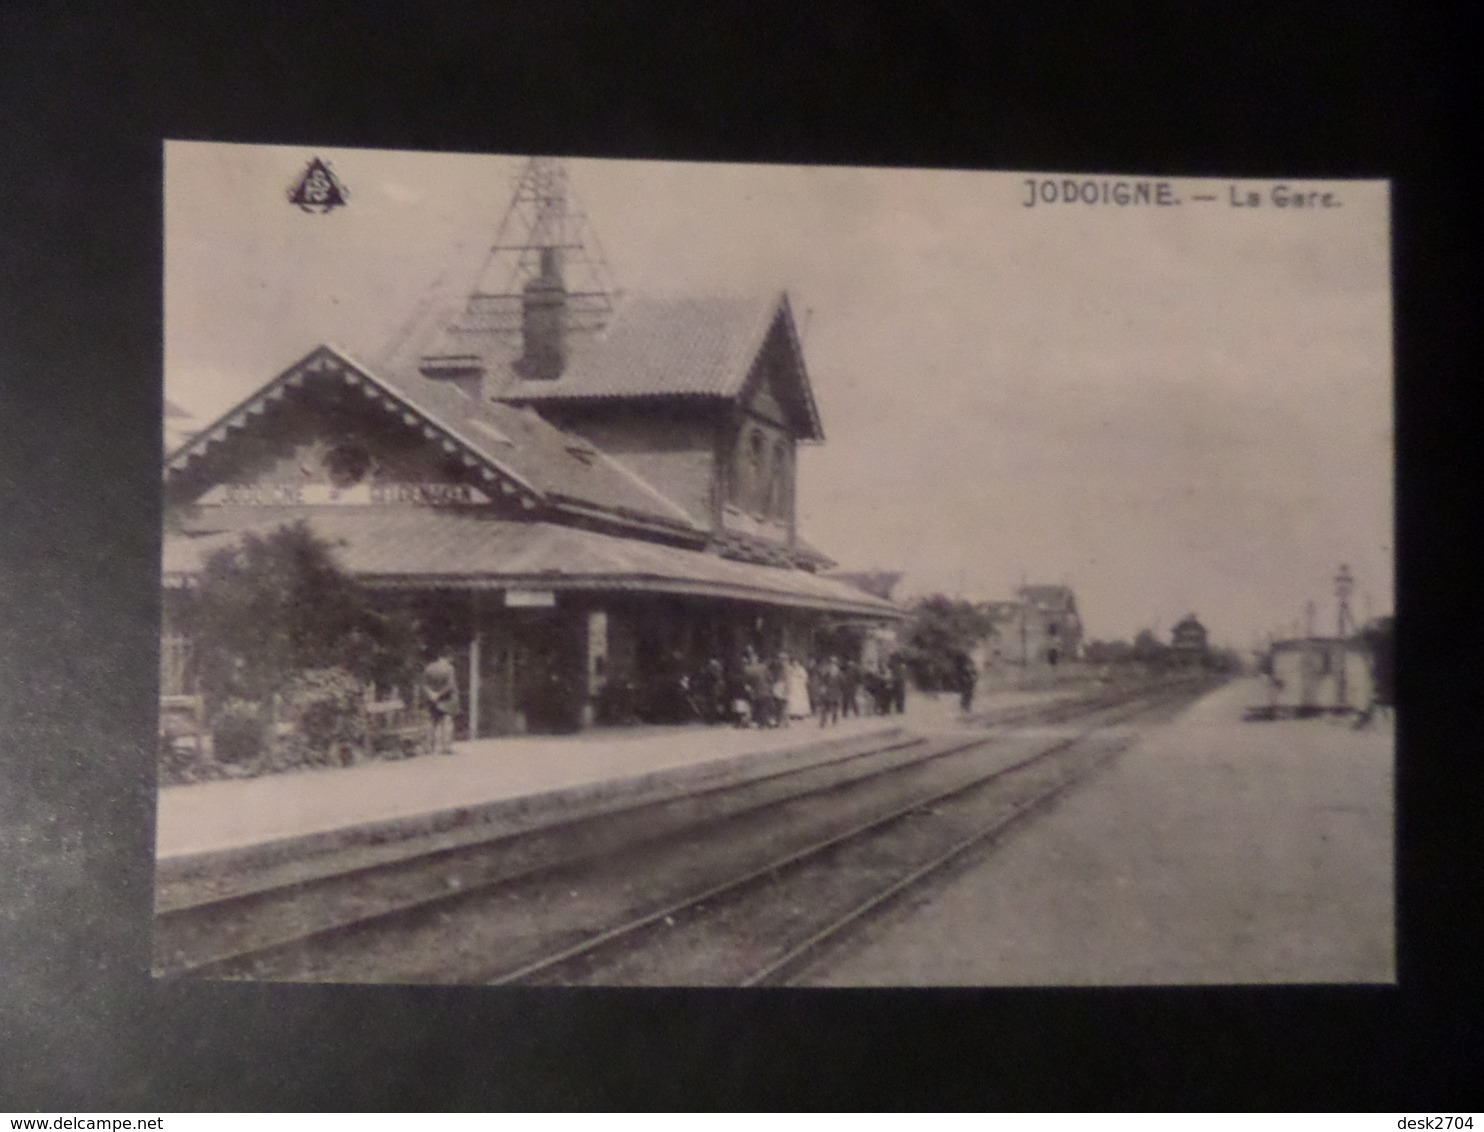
x=850, y=682
x=967, y=676
x=759, y=683
x=896, y=669
x=827, y=692
x=441, y=691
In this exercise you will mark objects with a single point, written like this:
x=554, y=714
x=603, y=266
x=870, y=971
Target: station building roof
x=427, y=547
x=654, y=347
x=551, y=466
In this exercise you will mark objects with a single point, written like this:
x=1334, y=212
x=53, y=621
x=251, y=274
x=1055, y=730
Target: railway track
x=736, y=885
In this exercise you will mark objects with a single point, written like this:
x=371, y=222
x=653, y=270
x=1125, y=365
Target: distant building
x=1002, y=643
x=1041, y=627
x=1051, y=629
x=1189, y=641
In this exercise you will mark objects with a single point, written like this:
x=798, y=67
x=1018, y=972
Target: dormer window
x=757, y=487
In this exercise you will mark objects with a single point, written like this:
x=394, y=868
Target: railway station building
x=570, y=508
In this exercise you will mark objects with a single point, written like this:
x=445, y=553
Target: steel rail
x=801, y=955
x=250, y=892
x=793, y=859
x=334, y=884
x=222, y=962
x=408, y=857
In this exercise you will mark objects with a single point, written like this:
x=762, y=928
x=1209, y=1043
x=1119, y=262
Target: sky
x=1171, y=409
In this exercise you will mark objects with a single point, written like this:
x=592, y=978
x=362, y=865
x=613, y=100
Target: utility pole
x=1021, y=600
x=1344, y=583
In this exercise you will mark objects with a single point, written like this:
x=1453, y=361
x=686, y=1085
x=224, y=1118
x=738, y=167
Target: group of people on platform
x=779, y=690
x=763, y=691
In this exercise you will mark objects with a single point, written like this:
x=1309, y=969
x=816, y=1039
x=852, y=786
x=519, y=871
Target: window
x=757, y=487
x=778, y=496
x=347, y=464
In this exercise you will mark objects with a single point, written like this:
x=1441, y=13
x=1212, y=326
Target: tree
x=1227, y=662
x=1150, y=650
x=277, y=605
x=940, y=630
x=1108, y=652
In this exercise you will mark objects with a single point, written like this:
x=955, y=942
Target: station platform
x=1213, y=851
x=516, y=782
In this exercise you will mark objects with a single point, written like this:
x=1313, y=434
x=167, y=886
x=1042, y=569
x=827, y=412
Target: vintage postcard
x=595, y=572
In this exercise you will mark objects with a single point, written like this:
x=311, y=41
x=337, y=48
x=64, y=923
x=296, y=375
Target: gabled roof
x=427, y=546
x=682, y=347
x=564, y=467
x=527, y=456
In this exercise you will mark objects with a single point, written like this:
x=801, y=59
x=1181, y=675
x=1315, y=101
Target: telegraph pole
x=1344, y=583
x=1024, y=651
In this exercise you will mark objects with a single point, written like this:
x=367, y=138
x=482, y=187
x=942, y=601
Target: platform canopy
x=435, y=548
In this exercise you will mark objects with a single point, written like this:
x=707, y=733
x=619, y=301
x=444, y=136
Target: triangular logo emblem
x=318, y=189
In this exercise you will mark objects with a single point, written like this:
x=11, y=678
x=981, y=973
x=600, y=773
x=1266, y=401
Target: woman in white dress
x=798, y=688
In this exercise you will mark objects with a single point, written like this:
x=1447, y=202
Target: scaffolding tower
x=543, y=223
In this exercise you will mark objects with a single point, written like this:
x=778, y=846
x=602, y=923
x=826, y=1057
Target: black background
x=87, y=94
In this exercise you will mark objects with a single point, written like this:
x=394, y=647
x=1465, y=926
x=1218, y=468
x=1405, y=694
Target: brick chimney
x=543, y=322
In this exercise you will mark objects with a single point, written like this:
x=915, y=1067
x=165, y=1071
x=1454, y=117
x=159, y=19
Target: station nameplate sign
x=361, y=494
x=530, y=599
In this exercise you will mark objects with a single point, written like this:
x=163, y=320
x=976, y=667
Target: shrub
x=277, y=604
x=327, y=710
x=239, y=732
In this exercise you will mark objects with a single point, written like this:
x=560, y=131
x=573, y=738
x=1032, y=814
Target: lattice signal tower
x=543, y=216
